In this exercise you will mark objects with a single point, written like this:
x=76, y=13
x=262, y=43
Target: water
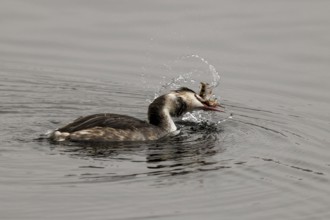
x=63, y=59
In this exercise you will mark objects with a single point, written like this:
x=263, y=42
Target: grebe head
x=177, y=103
x=187, y=101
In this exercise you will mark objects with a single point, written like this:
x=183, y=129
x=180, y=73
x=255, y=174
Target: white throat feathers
x=165, y=107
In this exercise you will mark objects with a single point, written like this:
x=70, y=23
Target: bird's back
x=108, y=127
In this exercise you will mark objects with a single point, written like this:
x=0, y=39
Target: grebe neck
x=160, y=112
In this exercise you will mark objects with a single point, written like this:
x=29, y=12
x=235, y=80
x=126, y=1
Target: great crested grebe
x=115, y=127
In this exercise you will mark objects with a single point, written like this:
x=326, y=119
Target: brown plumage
x=116, y=127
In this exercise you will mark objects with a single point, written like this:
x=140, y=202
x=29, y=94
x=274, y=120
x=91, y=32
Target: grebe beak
x=209, y=105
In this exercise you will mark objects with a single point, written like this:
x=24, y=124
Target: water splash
x=200, y=116
x=231, y=116
x=189, y=75
x=213, y=71
x=175, y=83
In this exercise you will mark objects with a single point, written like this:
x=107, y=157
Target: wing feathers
x=104, y=120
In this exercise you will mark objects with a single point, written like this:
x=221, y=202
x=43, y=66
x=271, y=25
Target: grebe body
x=116, y=127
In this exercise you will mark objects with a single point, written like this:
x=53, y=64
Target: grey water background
x=63, y=59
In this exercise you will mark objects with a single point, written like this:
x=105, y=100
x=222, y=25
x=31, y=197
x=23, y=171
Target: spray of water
x=191, y=79
x=213, y=71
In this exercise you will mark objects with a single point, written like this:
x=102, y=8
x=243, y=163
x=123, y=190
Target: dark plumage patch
x=181, y=107
x=184, y=89
x=115, y=121
x=154, y=112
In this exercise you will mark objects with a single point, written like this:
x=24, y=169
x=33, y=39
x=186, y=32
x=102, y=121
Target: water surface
x=63, y=59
